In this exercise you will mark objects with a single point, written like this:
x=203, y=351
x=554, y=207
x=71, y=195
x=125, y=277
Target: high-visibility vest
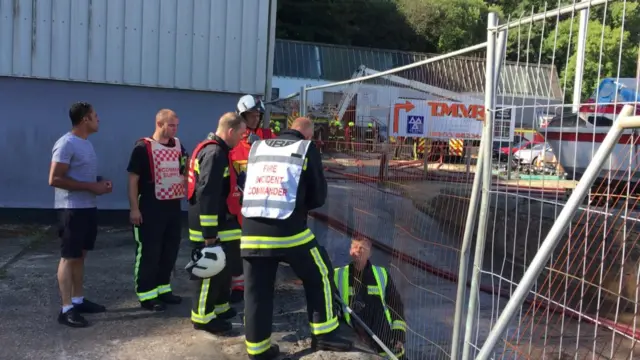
x=165, y=164
x=273, y=175
x=239, y=156
x=341, y=278
x=194, y=173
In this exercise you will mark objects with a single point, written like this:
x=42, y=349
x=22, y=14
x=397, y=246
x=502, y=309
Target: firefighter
x=212, y=182
x=369, y=137
x=285, y=179
x=154, y=200
x=251, y=109
x=372, y=295
x=350, y=134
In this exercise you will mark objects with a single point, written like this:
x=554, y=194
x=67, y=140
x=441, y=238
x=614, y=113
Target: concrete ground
x=29, y=304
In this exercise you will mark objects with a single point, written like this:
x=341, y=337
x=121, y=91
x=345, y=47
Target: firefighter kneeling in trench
x=371, y=294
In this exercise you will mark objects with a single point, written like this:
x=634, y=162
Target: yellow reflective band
x=196, y=236
x=196, y=166
x=226, y=172
x=148, y=295
x=202, y=317
x=399, y=325
x=258, y=348
x=230, y=235
x=208, y=220
x=326, y=283
x=398, y=354
x=304, y=165
x=373, y=290
x=219, y=309
x=325, y=327
x=163, y=289
x=267, y=242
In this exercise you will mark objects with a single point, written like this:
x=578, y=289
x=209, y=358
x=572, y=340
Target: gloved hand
x=358, y=306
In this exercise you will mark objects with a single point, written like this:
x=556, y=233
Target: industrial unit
x=129, y=59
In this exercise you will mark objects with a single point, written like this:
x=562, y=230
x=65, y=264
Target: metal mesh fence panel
x=583, y=303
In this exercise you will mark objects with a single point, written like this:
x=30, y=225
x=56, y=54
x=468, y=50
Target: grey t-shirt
x=83, y=166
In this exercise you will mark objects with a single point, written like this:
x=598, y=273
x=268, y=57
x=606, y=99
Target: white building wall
x=211, y=45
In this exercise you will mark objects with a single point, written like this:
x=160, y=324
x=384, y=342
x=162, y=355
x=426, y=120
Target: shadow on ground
x=29, y=301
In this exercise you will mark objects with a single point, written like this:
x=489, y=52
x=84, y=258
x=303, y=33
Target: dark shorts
x=78, y=229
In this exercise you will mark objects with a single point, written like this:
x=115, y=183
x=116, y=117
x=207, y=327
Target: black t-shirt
x=140, y=164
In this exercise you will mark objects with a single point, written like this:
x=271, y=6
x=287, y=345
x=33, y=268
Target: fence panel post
x=485, y=150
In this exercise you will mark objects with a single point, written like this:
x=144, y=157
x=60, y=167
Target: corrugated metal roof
x=217, y=45
x=460, y=74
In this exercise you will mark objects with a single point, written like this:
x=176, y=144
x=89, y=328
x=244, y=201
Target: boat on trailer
x=575, y=137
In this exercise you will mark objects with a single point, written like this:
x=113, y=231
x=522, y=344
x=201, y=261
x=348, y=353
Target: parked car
x=532, y=153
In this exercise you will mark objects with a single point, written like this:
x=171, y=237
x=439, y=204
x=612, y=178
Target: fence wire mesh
x=401, y=193
x=409, y=194
x=584, y=302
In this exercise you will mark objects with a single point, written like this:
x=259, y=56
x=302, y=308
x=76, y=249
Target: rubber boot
x=331, y=342
x=229, y=314
x=271, y=354
x=216, y=326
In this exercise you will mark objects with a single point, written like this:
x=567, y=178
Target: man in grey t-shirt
x=74, y=176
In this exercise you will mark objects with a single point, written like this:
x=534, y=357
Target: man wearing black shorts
x=73, y=174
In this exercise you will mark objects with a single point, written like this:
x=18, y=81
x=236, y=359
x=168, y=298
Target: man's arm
x=136, y=162
x=317, y=184
x=212, y=166
x=60, y=160
x=396, y=307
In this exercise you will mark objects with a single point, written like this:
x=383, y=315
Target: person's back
x=83, y=166
x=285, y=179
x=310, y=194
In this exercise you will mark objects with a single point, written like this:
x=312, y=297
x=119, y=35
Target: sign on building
x=436, y=119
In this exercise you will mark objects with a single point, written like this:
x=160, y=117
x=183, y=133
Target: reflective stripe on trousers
x=202, y=317
x=270, y=242
x=226, y=235
x=332, y=320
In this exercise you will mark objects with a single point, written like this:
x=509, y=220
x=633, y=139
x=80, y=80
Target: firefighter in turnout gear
x=285, y=180
x=350, y=135
x=372, y=295
x=212, y=183
x=157, y=169
x=251, y=109
x=369, y=137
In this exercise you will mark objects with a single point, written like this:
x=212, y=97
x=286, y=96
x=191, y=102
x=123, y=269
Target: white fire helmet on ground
x=207, y=262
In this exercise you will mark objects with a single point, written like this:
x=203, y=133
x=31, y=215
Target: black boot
x=153, y=305
x=236, y=296
x=331, y=342
x=229, y=314
x=169, y=298
x=216, y=326
x=272, y=353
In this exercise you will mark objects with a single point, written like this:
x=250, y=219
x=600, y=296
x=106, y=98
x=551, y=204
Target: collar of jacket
x=295, y=133
x=222, y=143
x=352, y=266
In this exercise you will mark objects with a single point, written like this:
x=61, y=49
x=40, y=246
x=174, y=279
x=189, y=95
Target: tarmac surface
x=29, y=304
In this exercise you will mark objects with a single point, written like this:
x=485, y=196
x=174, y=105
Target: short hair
x=230, y=120
x=164, y=115
x=78, y=111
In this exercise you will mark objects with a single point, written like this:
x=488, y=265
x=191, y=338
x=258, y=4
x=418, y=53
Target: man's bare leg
x=77, y=288
x=65, y=282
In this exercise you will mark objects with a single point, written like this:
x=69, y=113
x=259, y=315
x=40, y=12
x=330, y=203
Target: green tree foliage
x=446, y=25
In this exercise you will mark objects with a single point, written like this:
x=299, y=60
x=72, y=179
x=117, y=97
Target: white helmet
x=250, y=103
x=207, y=262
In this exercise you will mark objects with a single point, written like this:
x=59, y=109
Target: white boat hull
x=575, y=151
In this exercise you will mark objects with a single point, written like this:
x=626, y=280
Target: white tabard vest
x=165, y=166
x=274, y=168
